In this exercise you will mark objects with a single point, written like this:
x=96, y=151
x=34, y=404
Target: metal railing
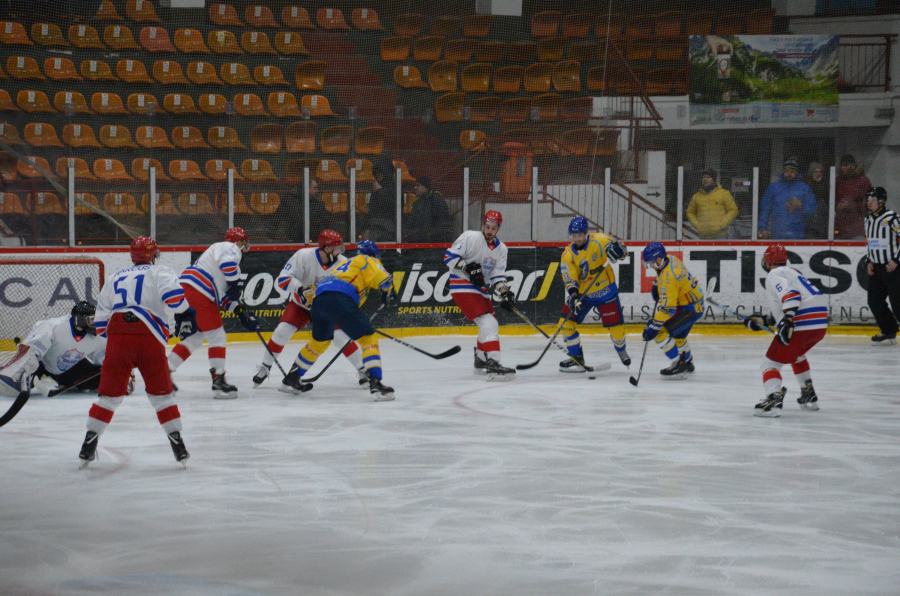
x=865, y=62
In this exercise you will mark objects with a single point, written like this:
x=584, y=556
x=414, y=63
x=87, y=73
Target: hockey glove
x=652, y=329
x=654, y=291
x=505, y=295
x=389, y=298
x=248, y=319
x=186, y=323
x=758, y=322
x=476, y=275
x=573, y=301
x=785, y=328
x=616, y=251
x=234, y=291
x=306, y=297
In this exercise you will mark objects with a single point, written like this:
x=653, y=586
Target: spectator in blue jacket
x=788, y=202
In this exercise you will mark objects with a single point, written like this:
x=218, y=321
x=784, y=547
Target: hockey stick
x=271, y=353
x=15, y=407
x=441, y=356
x=56, y=392
x=728, y=310
x=602, y=367
x=341, y=351
x=635, y=380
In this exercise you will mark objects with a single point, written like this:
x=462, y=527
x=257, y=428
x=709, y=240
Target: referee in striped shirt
x=883, y=240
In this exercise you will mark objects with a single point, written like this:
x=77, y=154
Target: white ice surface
x=551, y=484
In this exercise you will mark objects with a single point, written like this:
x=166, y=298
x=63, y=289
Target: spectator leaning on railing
x=712, y=208
x=850, y=190
x=787, y=202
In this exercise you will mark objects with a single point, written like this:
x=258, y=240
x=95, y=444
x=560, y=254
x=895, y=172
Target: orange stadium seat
x=190, y=41
x=336, y=140
x=202, y=73
x=179, y=103
x=731, y=24
x=185, y=169
x=224, y=137
x=300, y=137
x=336, y=202
x=260, y=16
x=110, y=169
x=235, y=73
x=83, y=203
x=82, y=171
x=266, y=138
x=188, y=137
x=427, y=49
x=672, y=50
x=610, y=25
x=472, y=140
x=444, y=26
x=107, y=12
x=395, y=49
x=24, y=67
x=212, y=103
x=369, y=140
x=363, y=169
x=538, y=77
x=45, y=203
x=515, y=110
x=116, y=137
x=10, y=204
x=119, y=38
x=589, y=141
x=328, y=170
x=331, y=18
x=477, y=25
x=164, y=204
x=576, y=25
x=458, y=50
x=269, y=75
x=41, y=134
x=409, y=77
x=120, y=203
x=523, y=136
x=668, y=24
x=310, y=75
x=660, y=81
x=290, y=44
x=152, y=137
x=9, y=135
x=545, y=24
x=408, y=24
x=699, y=23
x=45, y=34
x=476, y=78
x=12, y=33
x=257, y=169
x=551, y=49
x=640, y=51
x=600, y=78
x=142, y=103
x=362, y=202
x=317, y=104
x=140, y=168
x=547, y=106
x=168, y=72
x=264, y=203
x=442, y=76
x=490, y=51
x=217, y=169
x=296, y=17
x=132, y=71
x=256, y=42
x=8, y=167
x=582, y=51
x=29, y=167
x=577, y=109
x=567, y=76
x=405, y=176
x=759, y=21
x=141, y=11
x=639, y=27
x=293, y=170
x=224, y=14
x=97, y=70
x=195, y=203
x=85, y=37
x=71, y=101
x=33, y=101
x=508, y=79
x=223, y=42
x=449, y=107
x=156, y=39
x=366, y=19
x=240, y=203
x=484, y=109
x=283, y=104
x=521, y=51
x=248, y=104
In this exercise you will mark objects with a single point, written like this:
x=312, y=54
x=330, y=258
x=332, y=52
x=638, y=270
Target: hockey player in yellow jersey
x=679, y=300
x=337, y=303
x=586, y=267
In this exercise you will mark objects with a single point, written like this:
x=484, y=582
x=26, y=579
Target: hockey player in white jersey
x=211, y=283
x=299, y=277
x=133, y=313
x=800, y=312
x=66, y=349
x=477, y=263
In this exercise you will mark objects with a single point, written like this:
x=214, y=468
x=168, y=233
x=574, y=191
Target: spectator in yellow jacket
x=712, y=208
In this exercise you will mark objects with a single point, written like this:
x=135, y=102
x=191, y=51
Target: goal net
x=34, y=289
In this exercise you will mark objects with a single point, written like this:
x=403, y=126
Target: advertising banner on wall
x=749, y=79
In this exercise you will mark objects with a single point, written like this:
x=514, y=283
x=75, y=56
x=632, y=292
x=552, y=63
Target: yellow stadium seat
x=132, y=71
x=538, y=77
x=33, y=101
x=79, y=135
x=547, y=106
x=164, y=204
x=427, y=49
x=409, y=77
x=290, y=44
x=264, y=203
x=395, y=49
x=545, y=24
x=472, y=140
x=256, y=42
x=45, y=203
x=116, y=137
x=24, y=67
x=269, y=75
x=331, y=18
x=521, y=51
x=257, y=169
x=444, y=26
x=336, y=202
x=318, y=105
x=508, y=79
x=449, y=107
x=490, y=51
x=476, y=77
x=283, y=104
x=296, y=17
x=567, y=76
x=212, y=103
x=142, y=103
x=152, y=137
x=168, y=72
x=10, y=204
x=369, y=140
x=185, y=169
x=110, y=169
x=551, y=49
x=45, y=34
x=202, y=73
x=85, y=37
x=9, y=135
x=120, y=203
x=248, y=104
x=41, y=134
x=97, y=70
x=235, y=73
x=12, y=33
x=266, y=138
x=442, y=76
x=188, y=137
x=477, y=25
x=668, y=24
x=363, y=169
x=29, y=167
x=140, y=168
x=576, y=25
x=107, y=12
x=141, y=11
x=300, y=137
x=408, y=25
x=484, y=109
x=82, y=171
x=156, y=39
x=119, y=38
x=217, y=169
x=223, y=42
x=259, y=16
x=336, y=140
x=190, y=41
x=71, y=101
x=179, y=103
x=515, y=110
x=224, y=14
x=458, y=50
x=310, y=76
x=195, y=203
x=224, y=137
x=366, y=19
x=61, y=69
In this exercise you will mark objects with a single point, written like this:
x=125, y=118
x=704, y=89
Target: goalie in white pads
x=66, y=349
x=800, y=312
x=299, y=277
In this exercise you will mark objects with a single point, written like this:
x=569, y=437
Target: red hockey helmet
x=238, y=236
x=330, y=238
x=144, y=250
x=776, y=254
x=493, y=217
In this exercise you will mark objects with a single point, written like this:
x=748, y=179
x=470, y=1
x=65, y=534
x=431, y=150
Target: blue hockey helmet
x=578, y=225
x=653, y=251
x=369, y=248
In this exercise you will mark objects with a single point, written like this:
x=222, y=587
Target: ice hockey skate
x=178, y=448
x=262, y=373
x=381, y=391
x=363, y=376
x=771, y=406
x=677, y=371
x=575, y=364
x=624, y=357
x=293, y=384
x=88, y=449
x=808, y=399
x=493, y=369
x=883, y=339
x=221, y=388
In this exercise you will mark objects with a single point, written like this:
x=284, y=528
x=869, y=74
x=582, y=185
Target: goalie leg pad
x=14, y=376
